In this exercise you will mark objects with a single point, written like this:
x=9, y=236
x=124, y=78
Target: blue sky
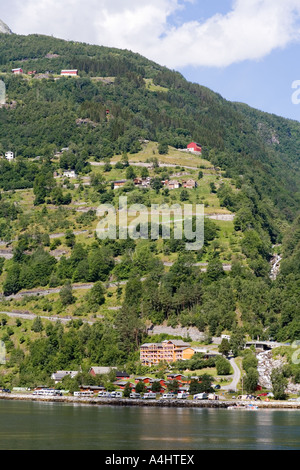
x=264, y=84
x=246, y=50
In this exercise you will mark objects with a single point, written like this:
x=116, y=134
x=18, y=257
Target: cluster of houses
x=20, y=71
x=167, y=184
x=64, y=73
x=183, y=382
x=175, y=184
x=123, y=378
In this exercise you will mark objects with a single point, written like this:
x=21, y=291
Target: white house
x=60, y=374
x=9, y=156
x=70, y=174
x=226, y=337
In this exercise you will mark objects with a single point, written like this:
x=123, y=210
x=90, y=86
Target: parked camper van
x=201, y=396
x=104, y=395
x=149, y=396
x=47, y=392
x=116, y=394
x=168, y=396
x=182, y=395
x=135, y=395
x=86, y=394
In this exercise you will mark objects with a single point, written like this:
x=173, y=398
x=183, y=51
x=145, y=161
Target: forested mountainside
x=121, y=111
x=255, y=146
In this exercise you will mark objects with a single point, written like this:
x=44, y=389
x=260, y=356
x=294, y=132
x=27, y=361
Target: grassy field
x=174, y=157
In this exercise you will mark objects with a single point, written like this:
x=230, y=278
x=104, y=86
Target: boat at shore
x=248, y=406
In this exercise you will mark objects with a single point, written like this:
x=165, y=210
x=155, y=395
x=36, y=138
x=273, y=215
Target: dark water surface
x=52, y=426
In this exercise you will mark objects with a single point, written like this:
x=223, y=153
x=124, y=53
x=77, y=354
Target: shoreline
x=173, y=403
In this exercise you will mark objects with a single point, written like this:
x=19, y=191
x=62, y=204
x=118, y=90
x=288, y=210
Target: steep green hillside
x=253, y=147
x=124, y=117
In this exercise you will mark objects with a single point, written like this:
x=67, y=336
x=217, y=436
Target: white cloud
x=253, y=29
x=250, y=31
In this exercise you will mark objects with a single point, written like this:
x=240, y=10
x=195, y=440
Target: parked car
x=6, y=390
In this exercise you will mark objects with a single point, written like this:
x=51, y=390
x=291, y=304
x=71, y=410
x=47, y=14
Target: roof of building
x=60, y=374
x=176, y=342
x=102, y=370
x=122, y=382
x=92, y=387
x=122, y=374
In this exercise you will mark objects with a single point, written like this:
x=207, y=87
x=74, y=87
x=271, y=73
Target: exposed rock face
x=191, y=332
x=275, y=266
x=265, y=366
x=4, y=28
x=266, y=363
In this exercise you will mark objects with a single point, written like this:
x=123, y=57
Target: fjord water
x=52, y=426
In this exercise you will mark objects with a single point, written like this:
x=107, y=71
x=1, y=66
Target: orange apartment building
x=168, y=351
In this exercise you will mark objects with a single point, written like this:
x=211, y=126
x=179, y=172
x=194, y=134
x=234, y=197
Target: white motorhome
x=149, y=396
x=104, y=395
x=201, y=396
x=84, y=394
x=47, y=393
x=168, y=396
x=135, y=395
x=183, y=395
x=116, y=394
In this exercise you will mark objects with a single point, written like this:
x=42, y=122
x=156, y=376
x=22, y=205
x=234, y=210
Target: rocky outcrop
x=4, y=29
x=266, y=363
x=275, y=267
x=184, y=332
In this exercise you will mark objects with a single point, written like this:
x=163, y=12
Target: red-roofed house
x=17, y=71
x=69, y=73
x=194, y=147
